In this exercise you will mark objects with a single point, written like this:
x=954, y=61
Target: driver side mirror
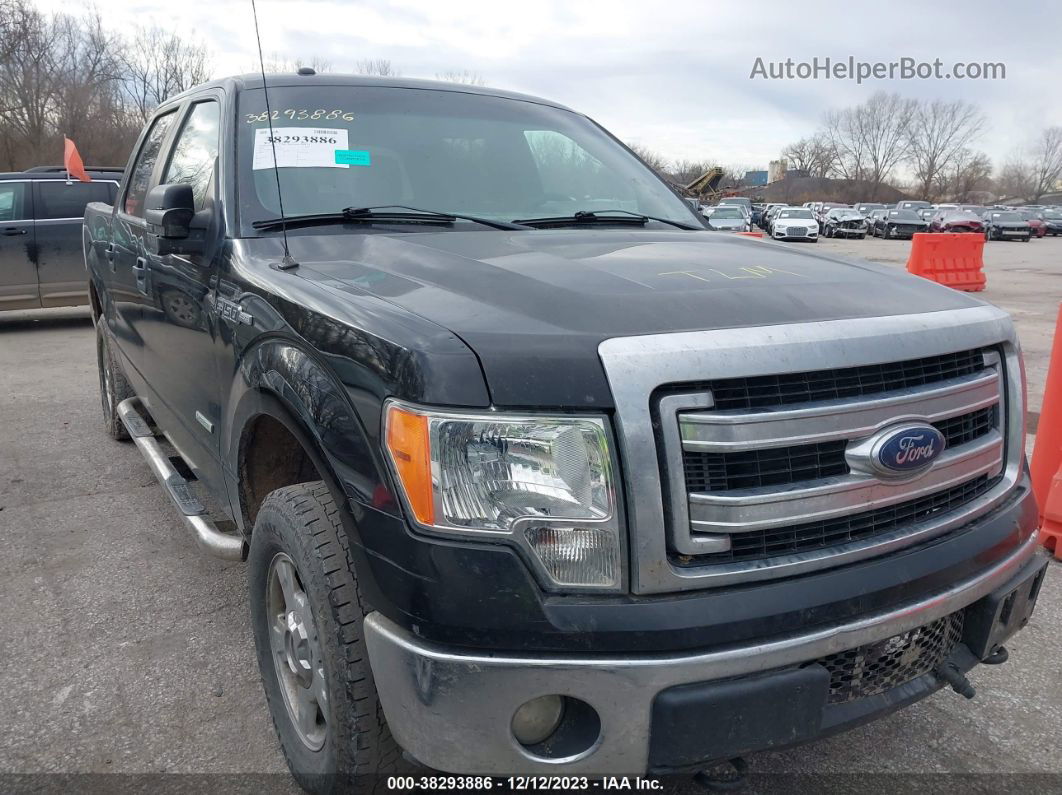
x=168, y=210
x=173, y=225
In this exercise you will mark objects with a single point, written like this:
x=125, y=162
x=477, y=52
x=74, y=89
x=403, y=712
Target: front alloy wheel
x=297, y=654
x=307, y=614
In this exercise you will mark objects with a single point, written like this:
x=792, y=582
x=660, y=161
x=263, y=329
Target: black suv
x=41, y=262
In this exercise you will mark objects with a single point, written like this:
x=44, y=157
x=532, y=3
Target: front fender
x=278, y=376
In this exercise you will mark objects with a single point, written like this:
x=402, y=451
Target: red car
x=952, y=220
x=1035, y=220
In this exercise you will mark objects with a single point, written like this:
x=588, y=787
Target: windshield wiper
x=598, y=217
x=384, y=213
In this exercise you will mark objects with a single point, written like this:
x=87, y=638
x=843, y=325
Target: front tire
x=307, y=614
x=114, y=388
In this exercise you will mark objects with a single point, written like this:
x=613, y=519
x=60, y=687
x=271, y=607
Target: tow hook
x=998, y=657
x=726, y=776
x=949, y=673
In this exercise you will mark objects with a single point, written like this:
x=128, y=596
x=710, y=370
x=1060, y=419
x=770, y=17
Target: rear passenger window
x=193, y=156
x=12, y=201
x=140, y=175
x=59, y=200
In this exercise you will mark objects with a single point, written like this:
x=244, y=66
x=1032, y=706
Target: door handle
x=11, y=232
x=109, y=252
x=140, y=272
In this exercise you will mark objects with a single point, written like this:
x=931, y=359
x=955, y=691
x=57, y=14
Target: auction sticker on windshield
x=298, y=147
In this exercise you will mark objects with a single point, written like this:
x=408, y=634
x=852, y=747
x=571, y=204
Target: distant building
x=755, y=179
x=776, y=171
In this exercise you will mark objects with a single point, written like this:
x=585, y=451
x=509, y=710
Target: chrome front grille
x=815, y=536
x=780, y=465
x=745, y=450
x=772, y=391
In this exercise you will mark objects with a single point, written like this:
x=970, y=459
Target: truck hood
x=534, y=306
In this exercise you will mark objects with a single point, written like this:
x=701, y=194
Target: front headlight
x=542, y=482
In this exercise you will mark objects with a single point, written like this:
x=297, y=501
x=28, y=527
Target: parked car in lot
x=825, y=207
x=1006, y=225
x=769, y=211
x=41, y=262
x=956, y=221
x=728, y=218
x=795, y=223
x=926, y=213
x=912, y=204
x=1053, y=222
x=866, y=208
x=1035, y=220
x=522, y=480
x=897, y=224
x=844, y=222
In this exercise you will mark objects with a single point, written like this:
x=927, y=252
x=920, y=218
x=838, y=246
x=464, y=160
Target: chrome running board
x=207, y=535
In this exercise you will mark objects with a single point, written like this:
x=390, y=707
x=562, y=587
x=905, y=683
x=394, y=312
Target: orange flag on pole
x=72, y=161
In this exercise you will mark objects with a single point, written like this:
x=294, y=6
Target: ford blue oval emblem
x=910, y=449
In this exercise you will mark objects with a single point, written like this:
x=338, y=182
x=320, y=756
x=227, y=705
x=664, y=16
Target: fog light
x=537, y=719
x=579, y=556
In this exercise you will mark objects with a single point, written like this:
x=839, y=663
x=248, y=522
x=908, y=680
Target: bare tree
x=684, y=171
x=655, y=161
x=967, y=172
x=159, y=65
x=1045, y=164
x=1015, y=179
x=868, y=141
x=466, y=76
x=376, y=66
x=814, y=155
x=938, y=132
x=68, y=75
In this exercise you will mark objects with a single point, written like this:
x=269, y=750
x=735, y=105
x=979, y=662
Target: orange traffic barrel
x=1046, y=466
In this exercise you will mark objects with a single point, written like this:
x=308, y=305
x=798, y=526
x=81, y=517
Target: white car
x=728, y=218
x=795, y=223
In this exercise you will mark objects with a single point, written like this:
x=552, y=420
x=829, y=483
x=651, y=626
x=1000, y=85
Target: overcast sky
x=673, y=76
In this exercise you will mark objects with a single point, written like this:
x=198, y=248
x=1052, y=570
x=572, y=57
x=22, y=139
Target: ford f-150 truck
x=533, y=472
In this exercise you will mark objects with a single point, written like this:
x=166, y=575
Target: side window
x=140, y=175
x=58, y=200
x=12, y=201
x=193, y=156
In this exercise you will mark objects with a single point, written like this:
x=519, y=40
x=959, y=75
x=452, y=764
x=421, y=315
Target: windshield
x=367, y=146
x=905, y=214
x=1054, y=215
x=846, y=214
x=1006, y=217
x=799, y=213
x=727, y=212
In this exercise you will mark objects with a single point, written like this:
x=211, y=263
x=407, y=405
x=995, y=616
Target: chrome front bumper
x=452, y=709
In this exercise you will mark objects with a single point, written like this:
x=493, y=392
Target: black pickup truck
x=533, y=473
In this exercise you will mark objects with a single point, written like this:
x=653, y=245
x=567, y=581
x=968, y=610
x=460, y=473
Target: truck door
x=127, y=252
x=59, y=210
x=18, y=275
x=179, y=324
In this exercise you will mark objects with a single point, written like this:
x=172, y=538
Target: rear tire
x=307, y=614
x=114, y=388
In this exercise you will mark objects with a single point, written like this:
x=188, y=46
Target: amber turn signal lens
x=407, y=441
